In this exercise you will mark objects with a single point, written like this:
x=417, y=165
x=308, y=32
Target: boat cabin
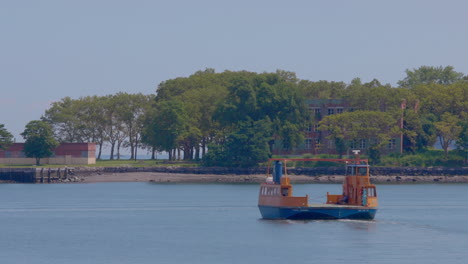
x=357, y=189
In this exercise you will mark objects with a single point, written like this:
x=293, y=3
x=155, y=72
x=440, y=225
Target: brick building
x=316, y=141
x=64, y=154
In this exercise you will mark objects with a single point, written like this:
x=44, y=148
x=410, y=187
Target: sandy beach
x=158, y=177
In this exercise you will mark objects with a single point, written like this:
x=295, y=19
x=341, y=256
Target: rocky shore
x=158, y=177
x=174, y=174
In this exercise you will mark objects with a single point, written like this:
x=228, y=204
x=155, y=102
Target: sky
x=51, y=49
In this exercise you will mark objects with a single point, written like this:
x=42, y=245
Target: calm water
x=217, y=223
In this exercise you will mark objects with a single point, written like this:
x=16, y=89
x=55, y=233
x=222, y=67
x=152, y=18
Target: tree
x=462, y=142
x=245, y=147
x=377, y=128
x=91, y=119
x=322, y=89
x=429, y=74
x=418, y=131
x=448, y=130
x=167, y=124
x=266, y=96
x=6, y=138
x=63, y=117
x=132, y=109
x=40, y=140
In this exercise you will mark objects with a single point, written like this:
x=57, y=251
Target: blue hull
x=317, y=213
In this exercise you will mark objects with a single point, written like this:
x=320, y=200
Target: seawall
x=325, y=174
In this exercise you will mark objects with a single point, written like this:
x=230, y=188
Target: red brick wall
x=73, y=149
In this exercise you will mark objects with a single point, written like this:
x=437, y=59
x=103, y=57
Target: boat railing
x=356, y=161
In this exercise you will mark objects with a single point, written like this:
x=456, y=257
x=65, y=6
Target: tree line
x=231, y=118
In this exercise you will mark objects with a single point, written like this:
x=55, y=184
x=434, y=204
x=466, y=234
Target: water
x=219, y=223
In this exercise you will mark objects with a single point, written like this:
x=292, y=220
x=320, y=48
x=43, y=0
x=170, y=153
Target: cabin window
x=284, y=191
x=371, y=192
x=362, y=171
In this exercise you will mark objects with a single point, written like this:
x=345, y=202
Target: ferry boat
x=358, y=200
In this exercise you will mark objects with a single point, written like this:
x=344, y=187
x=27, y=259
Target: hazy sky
x=52, y=49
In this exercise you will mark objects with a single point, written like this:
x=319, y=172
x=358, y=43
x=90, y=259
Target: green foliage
x=245, y=147
x=188, y=113
x=166, y=125
x=429, y=74
x=6, y=138
x=373, y=96
x=429, y=158
x=265, y=97
x=316, y=164
x=374, y=155
x=322, y=89
x=40, y=140
x=418, y=131
x=361, y=125
x=448, y=130
x=117, y=119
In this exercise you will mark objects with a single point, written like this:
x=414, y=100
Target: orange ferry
x=358, y=200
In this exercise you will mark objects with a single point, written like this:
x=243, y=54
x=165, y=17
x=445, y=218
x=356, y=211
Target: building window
x=362, y=144
x=330, y=144
x=353, y=144
x=309, y=128
x=317, y=143
x=308, y=143
x=339, y=110
x=391, y=144
x=7, y=154
x=84, y=154
x=331, y=111
x=316, y=127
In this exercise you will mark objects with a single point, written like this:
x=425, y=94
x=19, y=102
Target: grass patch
x=429, y=158
x=115, y=163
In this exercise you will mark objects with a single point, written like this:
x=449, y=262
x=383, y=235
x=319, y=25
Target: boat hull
x=317, y=212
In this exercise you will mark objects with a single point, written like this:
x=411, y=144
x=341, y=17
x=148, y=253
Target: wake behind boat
x=358, y=200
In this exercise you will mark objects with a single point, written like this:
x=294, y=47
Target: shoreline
x=161, y=177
